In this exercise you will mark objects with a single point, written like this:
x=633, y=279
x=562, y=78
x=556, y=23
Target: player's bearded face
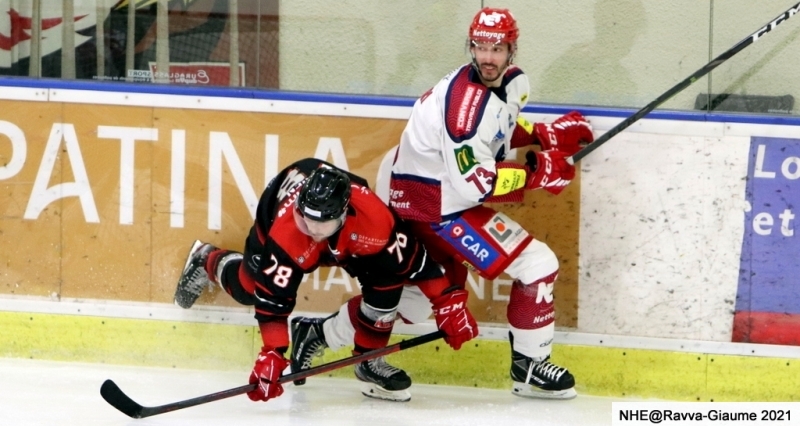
x=491, y=59
x=318, y=231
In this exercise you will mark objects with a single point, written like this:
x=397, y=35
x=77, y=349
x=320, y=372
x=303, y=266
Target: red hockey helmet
x=492, y=25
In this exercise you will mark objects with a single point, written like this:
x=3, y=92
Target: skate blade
x=372, y=390
x=528, y=391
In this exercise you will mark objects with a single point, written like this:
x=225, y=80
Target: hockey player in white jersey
x=451, y=160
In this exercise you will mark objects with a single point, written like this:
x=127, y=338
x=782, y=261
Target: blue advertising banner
x=768, y=297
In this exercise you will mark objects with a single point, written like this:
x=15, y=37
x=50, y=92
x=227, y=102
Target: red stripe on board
x=766, y=327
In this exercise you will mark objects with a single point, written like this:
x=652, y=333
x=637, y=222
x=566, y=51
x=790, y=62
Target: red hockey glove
x=565, y=134
x=266, y=373
x=548, y=170
x=454, y=319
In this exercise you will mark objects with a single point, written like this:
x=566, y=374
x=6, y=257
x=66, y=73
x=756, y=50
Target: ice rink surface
x=49, y=393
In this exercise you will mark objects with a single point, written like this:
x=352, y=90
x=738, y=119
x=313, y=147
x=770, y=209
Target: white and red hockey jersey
x=458, y=131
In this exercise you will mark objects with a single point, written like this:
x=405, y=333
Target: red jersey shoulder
x=369, y=229
x=464, y=104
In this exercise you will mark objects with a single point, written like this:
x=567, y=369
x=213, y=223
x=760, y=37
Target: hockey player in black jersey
x=313, y=214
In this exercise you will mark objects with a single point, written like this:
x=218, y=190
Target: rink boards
x=103, y=192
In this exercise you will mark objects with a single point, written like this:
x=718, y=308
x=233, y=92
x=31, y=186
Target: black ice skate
x=382, y=381
x=308, y=341
x=540, y=379
x=194, y=278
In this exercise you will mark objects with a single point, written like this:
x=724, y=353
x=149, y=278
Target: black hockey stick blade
x=122, y=402
x=117, y=398
x=752, y=38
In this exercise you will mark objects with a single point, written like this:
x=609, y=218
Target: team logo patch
x=491, y=19
x=507, y=233
x=465, y=159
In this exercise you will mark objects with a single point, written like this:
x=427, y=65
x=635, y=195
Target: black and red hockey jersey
x=373, y=245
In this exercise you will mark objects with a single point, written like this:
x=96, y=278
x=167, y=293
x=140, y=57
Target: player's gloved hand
x=548, y=170
x=565, y=134
x=454, y=319
x=266, y=374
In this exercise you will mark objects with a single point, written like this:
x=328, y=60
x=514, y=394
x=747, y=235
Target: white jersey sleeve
x=458, y=131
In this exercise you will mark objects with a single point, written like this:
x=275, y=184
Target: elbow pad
x=523, y=134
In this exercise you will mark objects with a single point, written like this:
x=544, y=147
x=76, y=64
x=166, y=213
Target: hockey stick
x=752, y=38
x=114, y=395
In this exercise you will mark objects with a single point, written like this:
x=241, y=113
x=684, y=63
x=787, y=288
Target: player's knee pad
x=373, y=325
x=530, y=306
x=535, y=261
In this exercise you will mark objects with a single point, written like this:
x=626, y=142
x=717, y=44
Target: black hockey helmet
x=325, y=195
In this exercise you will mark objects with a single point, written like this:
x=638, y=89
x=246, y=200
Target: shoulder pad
x=512, y=72
x=464, y=104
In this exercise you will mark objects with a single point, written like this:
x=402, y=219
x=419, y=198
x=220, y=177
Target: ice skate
x=194, y=278
x=540, y=379
x=383, y=381
x=308, y=341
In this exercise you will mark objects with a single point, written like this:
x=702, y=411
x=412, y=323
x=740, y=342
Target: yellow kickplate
x=619, y=372
x=127, y=341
